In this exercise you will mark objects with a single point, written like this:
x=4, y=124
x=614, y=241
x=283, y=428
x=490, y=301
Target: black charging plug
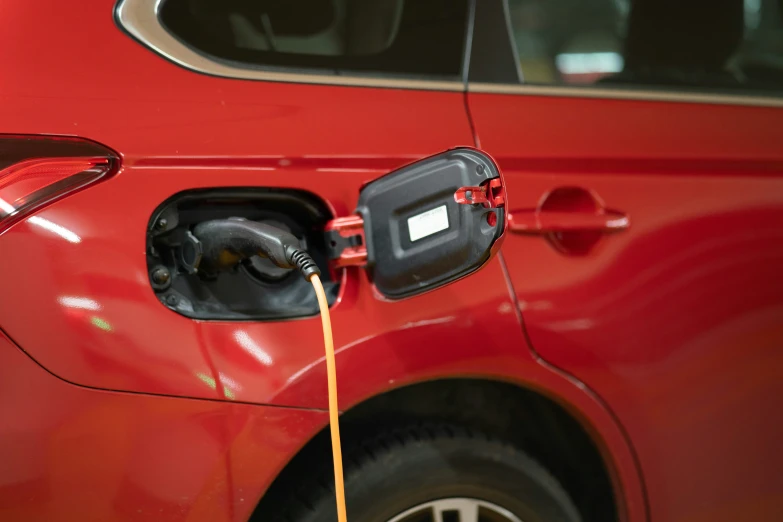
x=221, y=244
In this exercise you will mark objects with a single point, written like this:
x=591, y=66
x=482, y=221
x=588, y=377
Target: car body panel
x=119, y=337
x=176, y=130
x=149, y=390
x=676, y=321
x=71, y=453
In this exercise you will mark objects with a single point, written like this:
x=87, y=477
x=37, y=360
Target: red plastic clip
x=345, y=241
x=490, y=194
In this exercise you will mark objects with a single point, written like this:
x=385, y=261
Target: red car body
x=662, y=338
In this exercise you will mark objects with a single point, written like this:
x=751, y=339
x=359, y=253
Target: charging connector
x=220, y=244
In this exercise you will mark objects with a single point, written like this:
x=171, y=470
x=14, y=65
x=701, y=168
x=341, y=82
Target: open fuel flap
x=425, y=225
x=415, y=229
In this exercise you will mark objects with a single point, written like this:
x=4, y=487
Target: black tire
x=393, y=472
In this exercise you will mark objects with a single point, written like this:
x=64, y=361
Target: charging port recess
x=256, y=289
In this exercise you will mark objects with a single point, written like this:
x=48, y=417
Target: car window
x=704, y=45
x=398, y=37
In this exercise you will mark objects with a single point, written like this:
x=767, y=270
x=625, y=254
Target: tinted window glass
x=712, y=44
x=401, y=37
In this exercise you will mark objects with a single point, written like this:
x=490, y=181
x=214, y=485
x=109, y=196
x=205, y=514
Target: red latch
x=345, y=243
x=490, y=194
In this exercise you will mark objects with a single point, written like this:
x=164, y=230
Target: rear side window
x=419, y=38
x=724, y=45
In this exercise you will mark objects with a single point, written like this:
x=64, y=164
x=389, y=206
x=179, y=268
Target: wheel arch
x=526, y=418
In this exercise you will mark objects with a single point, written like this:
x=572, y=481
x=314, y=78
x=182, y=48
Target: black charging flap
x=418, y=236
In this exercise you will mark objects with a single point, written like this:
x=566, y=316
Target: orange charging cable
x=331, y=377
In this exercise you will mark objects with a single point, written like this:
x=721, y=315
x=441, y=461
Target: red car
x=621, y=358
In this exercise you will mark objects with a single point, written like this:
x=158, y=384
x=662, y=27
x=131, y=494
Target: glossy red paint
x=676, y=321
x=107, y=330
x=70, y=452
x=667, y=331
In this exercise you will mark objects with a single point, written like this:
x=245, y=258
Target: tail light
x=38, y=170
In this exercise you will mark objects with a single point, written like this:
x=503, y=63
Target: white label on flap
x=428, y=223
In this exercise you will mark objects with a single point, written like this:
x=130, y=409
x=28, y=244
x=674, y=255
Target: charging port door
x=425, y=225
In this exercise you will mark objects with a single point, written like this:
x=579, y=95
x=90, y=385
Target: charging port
x=255, y=289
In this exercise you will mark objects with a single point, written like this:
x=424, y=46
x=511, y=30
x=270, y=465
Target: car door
x=640, y=141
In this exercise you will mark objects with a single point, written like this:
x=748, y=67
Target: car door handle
x=540, y=221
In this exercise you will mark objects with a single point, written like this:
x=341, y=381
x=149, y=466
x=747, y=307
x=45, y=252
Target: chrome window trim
x=625, y=94
x=140, y=19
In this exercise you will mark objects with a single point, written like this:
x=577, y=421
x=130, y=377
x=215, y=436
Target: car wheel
x=436, y=474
